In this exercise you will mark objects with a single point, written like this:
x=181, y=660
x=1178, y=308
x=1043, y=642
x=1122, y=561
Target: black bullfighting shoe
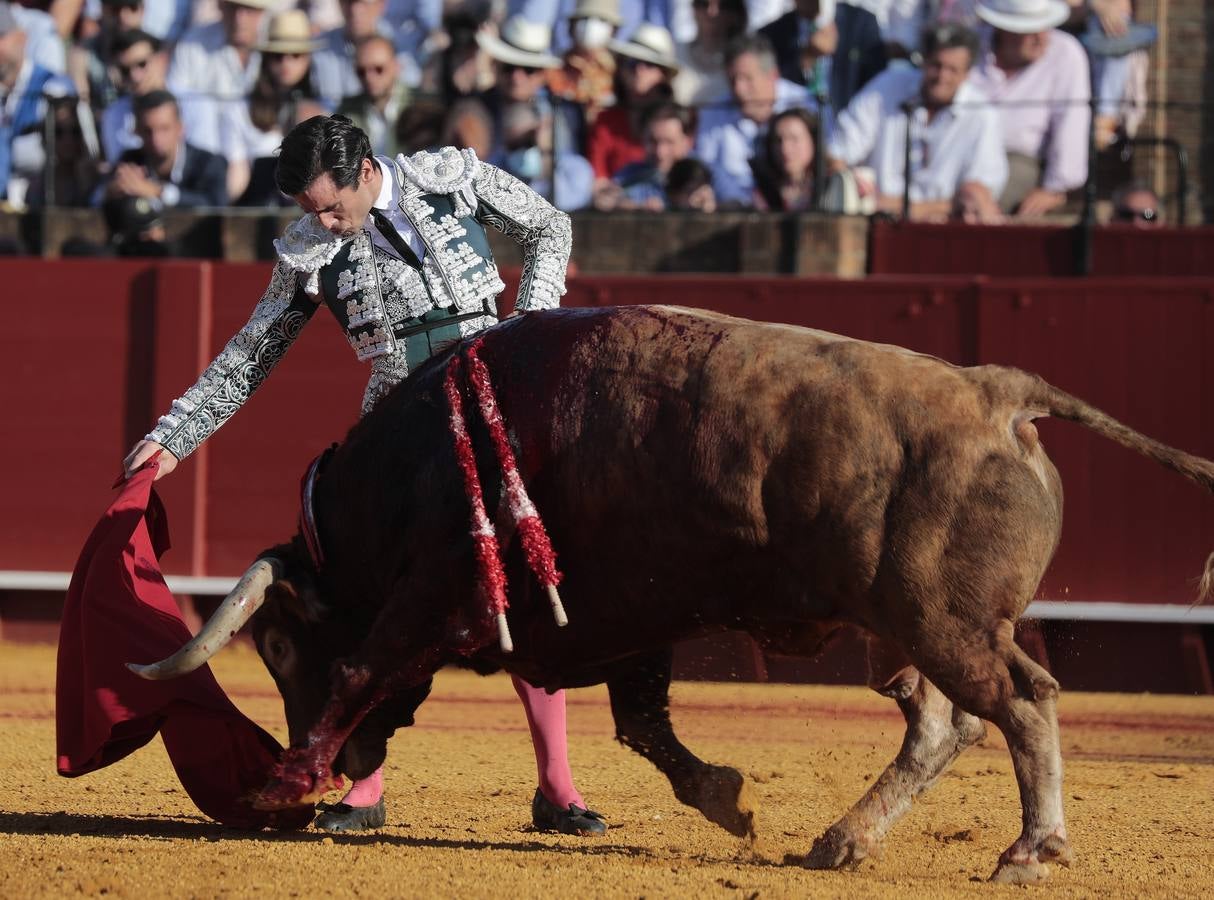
x=547, y=816
x=343, y=817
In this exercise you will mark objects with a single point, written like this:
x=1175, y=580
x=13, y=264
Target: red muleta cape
x=119, y=610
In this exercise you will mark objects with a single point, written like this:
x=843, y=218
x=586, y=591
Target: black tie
x=392, y=236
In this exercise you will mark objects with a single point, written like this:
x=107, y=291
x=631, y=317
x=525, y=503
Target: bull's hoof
x=344, y=817
x=547, y=816
x=724, y=797
x=1028, y=872
x=1025, y=864
x=836, y=850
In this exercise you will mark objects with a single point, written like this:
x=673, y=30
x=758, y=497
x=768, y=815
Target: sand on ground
x=1139, y=801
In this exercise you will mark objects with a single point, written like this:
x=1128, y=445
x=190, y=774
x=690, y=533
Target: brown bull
x=697, y=473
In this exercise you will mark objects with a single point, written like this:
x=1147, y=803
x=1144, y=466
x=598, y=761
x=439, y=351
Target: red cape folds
x=119, y=610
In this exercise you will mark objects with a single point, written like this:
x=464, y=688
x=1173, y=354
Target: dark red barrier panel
x=1018, y=251
x=1138, y=349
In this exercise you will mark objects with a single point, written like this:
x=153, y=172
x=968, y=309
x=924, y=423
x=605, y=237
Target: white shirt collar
x=387, y=188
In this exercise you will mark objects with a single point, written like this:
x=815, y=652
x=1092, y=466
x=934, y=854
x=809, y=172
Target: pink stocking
x=367, y=791
x=546, y=718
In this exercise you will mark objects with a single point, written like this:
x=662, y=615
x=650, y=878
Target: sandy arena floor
x=1139, y=794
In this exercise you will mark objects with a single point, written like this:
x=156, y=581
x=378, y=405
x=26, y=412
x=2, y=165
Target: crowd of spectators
x=977, y=110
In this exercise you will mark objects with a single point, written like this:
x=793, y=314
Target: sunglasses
x=511, y=68
x=1125, y=214
x=279, y=57
x=371, y=70
x=137, y=66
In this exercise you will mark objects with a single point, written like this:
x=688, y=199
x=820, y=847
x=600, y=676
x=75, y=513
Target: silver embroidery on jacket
x=237, y=371
x=545, y=232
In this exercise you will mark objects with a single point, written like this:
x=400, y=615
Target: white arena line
x=1072, y=611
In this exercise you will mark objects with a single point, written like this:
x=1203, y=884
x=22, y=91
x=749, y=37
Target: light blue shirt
x=727, y=141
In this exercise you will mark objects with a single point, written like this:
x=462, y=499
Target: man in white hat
x=522, y=63
x=1039, y=80
x=214, y=65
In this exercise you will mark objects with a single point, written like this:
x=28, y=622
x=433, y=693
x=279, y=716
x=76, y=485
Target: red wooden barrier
x=105, y=346
x=1018, y=251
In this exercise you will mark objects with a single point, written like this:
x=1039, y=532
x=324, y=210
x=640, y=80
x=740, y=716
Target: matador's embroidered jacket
x=448, y=196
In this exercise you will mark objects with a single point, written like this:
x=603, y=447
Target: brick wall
x=1181, y=78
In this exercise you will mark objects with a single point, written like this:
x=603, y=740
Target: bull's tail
x=1045, y=399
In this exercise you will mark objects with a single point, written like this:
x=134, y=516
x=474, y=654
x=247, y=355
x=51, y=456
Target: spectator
x=730, y=134
x=955, y=137
x=463, y=70
x=378, y=105
x=141, y=68
x=1038, y=78
x=282, y=97
x=45, y=46
x=1117, y=47
x=420, y=126
x=167, y=171
x=135, y=226
x=689, y=187
x=336, y=77
x=73, y=170
x=804, y=39
x=784, y=171
x=646, y=66
x=559, y=174
x=702, y=79
x=469, y=126
x=1136, y=204
x=417, y=29
x=860, y=52
x=588, y=67
x=670, y=135
x=974, y=204
x=91, y=62
x=214, y=67
x=25, y=86
x=521, y=62
x=168, y=20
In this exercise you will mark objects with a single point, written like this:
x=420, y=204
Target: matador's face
x=344, y=210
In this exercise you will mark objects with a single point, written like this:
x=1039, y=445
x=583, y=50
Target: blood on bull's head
x=301, y=639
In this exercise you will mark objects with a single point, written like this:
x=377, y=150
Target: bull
x=699, y=473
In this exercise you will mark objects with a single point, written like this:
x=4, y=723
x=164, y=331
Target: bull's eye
x=278, y=651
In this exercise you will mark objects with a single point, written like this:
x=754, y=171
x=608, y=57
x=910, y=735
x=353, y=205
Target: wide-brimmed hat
x=289, y=32
x=607, y=10
x=254, y=4
x=649, y=43
x=1023, y=16
x=521, y=43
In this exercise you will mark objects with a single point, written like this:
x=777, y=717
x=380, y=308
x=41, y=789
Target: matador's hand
x=142, y=452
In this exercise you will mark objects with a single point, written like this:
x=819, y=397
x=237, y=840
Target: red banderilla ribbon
x=537, y=547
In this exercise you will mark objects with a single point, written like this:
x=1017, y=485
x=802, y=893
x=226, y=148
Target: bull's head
x=300, y=639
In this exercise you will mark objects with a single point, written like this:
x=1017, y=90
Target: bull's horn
x=237, y=608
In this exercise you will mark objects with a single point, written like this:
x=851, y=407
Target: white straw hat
x=649, y=43
x=289, y=32
x=521, y=43
x=1023, y=16
x=255, y=4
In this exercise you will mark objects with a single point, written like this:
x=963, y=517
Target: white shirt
x=962, y=142
x=1046, y=113
x=388, y=203
x=206, y=76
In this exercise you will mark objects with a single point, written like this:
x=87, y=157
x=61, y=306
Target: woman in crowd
x=646, y=65
x=282, y=96
x=784, y=173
